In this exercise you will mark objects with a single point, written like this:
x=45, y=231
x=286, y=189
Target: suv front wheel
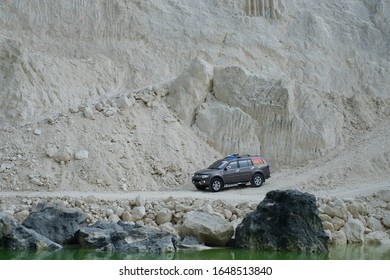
x=216, y=185
x=257, y=180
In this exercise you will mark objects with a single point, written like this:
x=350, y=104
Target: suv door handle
x=237, y=170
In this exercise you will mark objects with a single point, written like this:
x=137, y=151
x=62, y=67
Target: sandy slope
x=361, y=169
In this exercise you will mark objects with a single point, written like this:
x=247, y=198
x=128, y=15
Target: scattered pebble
x=88, y=113
x=82, y=154
x=63, y=155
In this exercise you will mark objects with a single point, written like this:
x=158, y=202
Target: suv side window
x=233, y=165
x=245, y=163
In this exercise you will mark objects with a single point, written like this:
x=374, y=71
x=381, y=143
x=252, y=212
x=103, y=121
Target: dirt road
x=231, y=194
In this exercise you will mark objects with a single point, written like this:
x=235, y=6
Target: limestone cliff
x=294, y=80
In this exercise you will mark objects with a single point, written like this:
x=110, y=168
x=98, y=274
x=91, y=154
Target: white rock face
x=228, y=129
x=293, y=80
x=265, y=8
x=305, y=123
x=189, y=90
x=90, y=52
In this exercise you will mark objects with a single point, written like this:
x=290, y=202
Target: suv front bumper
x=200, y=181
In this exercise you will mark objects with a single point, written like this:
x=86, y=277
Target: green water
x=350, y=252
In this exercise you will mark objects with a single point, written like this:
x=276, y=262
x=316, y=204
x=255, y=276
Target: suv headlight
x=204, y=176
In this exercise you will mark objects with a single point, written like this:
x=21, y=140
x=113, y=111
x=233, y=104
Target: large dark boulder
x=98, y=236
x=21, y=238
x=14, y=236
x=110, y=236
x=284, y=220
x=56, y=222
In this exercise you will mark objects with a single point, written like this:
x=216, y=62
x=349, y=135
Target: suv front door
x=231, y=175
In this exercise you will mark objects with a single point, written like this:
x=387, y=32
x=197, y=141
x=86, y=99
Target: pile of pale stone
x=365, y=220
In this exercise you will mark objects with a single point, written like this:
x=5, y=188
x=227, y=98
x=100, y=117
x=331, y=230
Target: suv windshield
x=219, y=164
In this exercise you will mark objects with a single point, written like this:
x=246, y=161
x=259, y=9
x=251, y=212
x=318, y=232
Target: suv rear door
x=246, y=169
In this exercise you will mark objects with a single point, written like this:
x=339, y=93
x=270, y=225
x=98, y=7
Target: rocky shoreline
x=364, y=220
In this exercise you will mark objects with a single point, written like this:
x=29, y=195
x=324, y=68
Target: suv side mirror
x=227, y=168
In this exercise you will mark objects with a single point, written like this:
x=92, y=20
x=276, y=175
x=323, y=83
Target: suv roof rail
x=232, y=156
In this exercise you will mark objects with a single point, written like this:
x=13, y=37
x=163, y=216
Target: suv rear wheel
x=216, y=185
x=257, y=180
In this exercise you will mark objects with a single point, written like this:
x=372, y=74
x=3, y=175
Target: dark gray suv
x=232, y=170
